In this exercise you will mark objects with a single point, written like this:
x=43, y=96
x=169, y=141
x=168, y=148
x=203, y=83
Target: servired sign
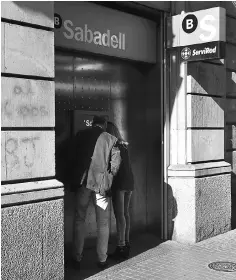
x=196, y=52
x=93, y=28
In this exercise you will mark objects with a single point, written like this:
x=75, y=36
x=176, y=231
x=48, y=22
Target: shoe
x=127, y=244
x=103, y=265
x=121, y=253
x=76, y=264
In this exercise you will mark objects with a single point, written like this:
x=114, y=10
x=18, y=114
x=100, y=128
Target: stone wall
x=230, y=129
x=32, y=201
x=199, y=177
x=33, y=241
x=230, y=114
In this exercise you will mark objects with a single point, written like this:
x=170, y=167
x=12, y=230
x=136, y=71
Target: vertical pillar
x=230, y=114
x=31, y=199
x=198, y=177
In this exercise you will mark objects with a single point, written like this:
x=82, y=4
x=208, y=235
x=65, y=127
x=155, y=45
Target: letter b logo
x=57, y=21
x=189, y=23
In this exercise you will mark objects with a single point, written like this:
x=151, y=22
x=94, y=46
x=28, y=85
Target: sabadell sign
x=199, y=35
x=86, y=35
x=93, y=28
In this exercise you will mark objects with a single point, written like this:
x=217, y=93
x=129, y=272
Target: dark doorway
x=129, y=94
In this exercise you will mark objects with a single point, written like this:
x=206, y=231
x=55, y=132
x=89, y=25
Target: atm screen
x=83, y=121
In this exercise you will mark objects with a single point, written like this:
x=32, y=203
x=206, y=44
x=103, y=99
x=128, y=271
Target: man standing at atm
x=97, y=161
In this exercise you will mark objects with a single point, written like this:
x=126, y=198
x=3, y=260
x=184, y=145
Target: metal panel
x=82, y=83
x=92, y=85
x=64, y=81
x=63, y=125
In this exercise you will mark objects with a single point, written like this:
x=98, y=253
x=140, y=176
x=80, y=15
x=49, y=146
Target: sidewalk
x=171, y=260
x=141, y=242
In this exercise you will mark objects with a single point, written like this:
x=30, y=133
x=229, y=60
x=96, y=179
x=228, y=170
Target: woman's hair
x=113, y=130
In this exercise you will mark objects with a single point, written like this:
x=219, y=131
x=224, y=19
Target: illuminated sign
x=88, y=122
x=89, y=27
x=85, y=34
x=83, y=121
x=198, y=35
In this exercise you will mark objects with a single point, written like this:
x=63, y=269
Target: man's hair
x=99, y=120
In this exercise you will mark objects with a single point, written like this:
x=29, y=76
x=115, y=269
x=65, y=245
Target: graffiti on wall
x=24, y=110
x=25, y=144
x=27, y=103
x=27, y=154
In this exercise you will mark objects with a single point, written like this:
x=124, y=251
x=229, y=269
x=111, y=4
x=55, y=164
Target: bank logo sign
x=193, y=32
x=86, y=35
x=92, y=28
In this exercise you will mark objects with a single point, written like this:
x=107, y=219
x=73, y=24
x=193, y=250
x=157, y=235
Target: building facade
x=180, y=121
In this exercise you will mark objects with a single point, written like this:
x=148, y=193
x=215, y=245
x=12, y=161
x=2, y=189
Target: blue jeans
x=83, y=197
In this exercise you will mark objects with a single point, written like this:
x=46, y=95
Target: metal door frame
x=165, y=128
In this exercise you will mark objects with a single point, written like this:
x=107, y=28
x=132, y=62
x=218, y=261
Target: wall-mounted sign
x=93, y=28
x=86, y=35
x=210, y=50
x=83, y=121
x=198, y=35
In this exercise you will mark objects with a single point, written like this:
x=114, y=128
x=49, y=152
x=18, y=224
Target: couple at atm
x=102, y=170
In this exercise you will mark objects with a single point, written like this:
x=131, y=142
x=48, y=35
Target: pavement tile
x=172, y=260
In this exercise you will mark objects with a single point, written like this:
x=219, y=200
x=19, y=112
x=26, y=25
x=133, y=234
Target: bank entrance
x=124, y=87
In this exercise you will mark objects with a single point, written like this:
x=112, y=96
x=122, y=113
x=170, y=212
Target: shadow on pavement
x=139, y=242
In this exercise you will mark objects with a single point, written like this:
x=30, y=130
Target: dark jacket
x=124, y=179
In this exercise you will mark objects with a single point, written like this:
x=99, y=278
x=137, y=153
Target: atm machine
x=82, y=89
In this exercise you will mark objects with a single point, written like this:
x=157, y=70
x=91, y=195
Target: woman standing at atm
x=122, y=187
